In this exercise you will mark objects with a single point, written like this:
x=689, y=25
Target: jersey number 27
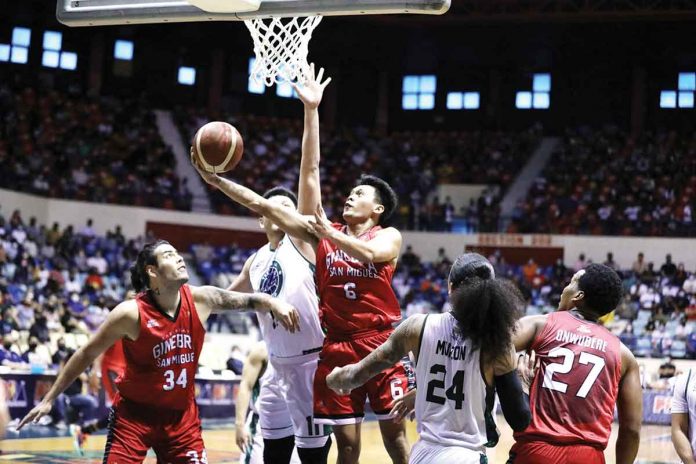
x=566, y=365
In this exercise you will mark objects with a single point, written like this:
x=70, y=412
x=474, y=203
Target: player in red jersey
x=162, y=332
x=355, y=264
x=584, y=372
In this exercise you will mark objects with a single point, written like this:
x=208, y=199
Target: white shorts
x=429, y=453
x=296, y=384
x=254, y=454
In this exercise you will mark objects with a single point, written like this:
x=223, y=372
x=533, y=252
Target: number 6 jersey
x=574, y=391
x=453, y=403
x=355, y=299
x=161, y=364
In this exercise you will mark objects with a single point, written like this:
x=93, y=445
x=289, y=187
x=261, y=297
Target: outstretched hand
x=321, y=227
x=40, y=410
x=404, y=407
x=208, y=177
x=286, y=315
x=311, y=91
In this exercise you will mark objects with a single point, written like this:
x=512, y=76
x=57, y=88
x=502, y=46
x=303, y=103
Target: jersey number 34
x=169, y=382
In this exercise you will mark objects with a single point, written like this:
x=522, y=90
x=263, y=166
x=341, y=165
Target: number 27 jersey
x=355, y=298
x=574, y=391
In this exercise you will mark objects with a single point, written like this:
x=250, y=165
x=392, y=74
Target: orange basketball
x=218, y=147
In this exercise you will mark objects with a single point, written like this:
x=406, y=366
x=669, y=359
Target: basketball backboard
x=112, y=12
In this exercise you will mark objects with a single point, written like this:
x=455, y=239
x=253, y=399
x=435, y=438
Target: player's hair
x=602, y=287
x=384, y=194
x=146, y=257
x=486, y=308
x=283, y=192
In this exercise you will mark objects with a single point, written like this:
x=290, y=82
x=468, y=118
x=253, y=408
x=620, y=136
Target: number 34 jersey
x=355, y=298
x=161, y=364
x=453, y=403
x=574, y=391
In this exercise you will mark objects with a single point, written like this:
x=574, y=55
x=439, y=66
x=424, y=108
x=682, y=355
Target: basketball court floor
x=45, y=447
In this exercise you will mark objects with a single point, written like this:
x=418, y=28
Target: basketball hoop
x=281, y=46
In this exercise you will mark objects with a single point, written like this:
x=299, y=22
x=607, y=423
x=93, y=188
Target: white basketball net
x=281, y=46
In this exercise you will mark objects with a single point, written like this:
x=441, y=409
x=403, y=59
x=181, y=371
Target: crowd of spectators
x=414, y=163
x=605, y=182
x=56, y=282
x=64, y=144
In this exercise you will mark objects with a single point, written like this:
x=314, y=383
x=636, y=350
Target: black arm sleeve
x=514, y=402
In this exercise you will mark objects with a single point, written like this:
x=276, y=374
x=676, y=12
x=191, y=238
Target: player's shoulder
x=389, y=231
x=125, y=316
x=125, y=309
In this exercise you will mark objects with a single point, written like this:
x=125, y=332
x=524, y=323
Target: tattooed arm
x=404, y=339
x=210, y=299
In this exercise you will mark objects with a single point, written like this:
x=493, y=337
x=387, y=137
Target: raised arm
x=309, y=191
x=210, y=299
x=253, y=367
x=383, y=248
x=121, y=322
x=291, y=222
x=630, y=408
x=404, y=339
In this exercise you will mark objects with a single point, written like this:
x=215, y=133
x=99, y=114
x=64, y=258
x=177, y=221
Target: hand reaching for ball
x=209, y=177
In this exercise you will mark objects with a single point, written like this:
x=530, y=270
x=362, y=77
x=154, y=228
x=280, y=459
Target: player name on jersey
x=581, y=340
x=339, y=256
x=174, y=341
x=446, y=348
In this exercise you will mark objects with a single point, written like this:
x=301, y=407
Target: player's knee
x=349, y=452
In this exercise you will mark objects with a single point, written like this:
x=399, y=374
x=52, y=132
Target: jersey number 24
x=455, y=392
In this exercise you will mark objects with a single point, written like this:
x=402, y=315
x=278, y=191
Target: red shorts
x=537, y=452
x=175, y=436
x=382, y=389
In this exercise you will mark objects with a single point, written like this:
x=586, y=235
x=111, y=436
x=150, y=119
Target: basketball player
x=355, y=264
x=162, y=332
x=684, y=417
x=255, y=389
x=584, y=373
x=284, y=268
x=462, y=358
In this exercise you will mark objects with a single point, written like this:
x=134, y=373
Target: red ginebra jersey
x=114, y=359
x=354, y=298
x=161, y=364
x=574, y=392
